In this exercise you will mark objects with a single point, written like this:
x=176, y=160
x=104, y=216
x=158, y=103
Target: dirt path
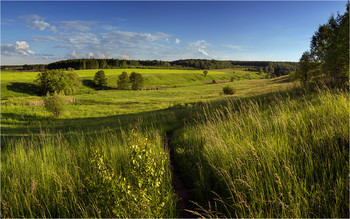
x=181, y=189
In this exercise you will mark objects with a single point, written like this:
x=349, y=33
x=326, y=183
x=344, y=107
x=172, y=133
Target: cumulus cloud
x=126, y=57
x=177, y=41
x=90, y=55
x=72, y=55
x=101, y=55
x=36, y=22
x=19, y=48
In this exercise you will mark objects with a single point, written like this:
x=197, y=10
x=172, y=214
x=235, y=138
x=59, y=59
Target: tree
x=304, y=72
x=55, y=103
x=100, y=79
x=328, y=59
x=123, y=81
x=58, y=80
x=205, y=73
x=136, y=80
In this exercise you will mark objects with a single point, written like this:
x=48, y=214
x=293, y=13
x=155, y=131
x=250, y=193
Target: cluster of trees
x=58, y=80
x=328, y=58
x=135, y=79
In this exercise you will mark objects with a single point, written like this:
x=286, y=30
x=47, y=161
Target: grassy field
x=270, y=150
x=284, y=155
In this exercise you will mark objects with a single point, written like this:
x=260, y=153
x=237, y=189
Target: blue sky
x=43, y=32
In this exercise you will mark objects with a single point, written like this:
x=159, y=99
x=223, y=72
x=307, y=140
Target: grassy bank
x=102, y=175
x=273, y=156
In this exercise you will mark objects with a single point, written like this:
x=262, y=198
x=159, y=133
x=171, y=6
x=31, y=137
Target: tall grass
x=278, y=156
x=87, y=176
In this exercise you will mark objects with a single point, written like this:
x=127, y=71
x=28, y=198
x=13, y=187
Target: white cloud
x=90, y=55
x=101, y=55
x=177, y=41
x=201, y=47
x=203, y=52
x=126, y=57
x=19, y=48
x=133, y=38
x=73, y=55
x=36, y=22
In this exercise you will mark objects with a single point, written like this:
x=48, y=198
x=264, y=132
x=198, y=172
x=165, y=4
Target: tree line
x=279, y=68
x=327, y=61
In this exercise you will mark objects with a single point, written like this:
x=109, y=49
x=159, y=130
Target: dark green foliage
x=136, y=80
x=178, y=64
x=228, y=90
x=214, y=81
x=123, y=81
x=205, y=73
x=328, y=58
x=55, y=103
x=100, y=79
x=58, y=80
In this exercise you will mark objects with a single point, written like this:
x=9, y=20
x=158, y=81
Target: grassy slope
x=274, y=156
x=64, y=151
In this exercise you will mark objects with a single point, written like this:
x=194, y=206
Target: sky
x=44, y=32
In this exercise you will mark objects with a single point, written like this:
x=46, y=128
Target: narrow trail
x=181, y=189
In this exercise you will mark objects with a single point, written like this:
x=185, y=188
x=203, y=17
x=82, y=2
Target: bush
x=214, y=81
x=205, y=73
x=55, y=103
x=58, y=80
x=123, y=81
x=228, y=90
x=136, y=80
x=100, y=79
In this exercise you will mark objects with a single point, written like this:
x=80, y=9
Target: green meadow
x=272, y=149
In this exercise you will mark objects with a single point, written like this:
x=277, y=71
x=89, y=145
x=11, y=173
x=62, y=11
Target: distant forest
x=273, y=68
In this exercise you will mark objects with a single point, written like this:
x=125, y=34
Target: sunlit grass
x=278, y=156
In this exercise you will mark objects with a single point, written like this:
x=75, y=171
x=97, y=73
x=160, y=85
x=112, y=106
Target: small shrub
x=205, y=73
x=100, y=79
x=55, y=103
x=228, y=90
x=232, y=79
x=214, y=81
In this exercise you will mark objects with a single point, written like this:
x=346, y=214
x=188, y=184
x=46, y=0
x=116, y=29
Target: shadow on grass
x=26, y=88
x=164, y=120
x=90, y=83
